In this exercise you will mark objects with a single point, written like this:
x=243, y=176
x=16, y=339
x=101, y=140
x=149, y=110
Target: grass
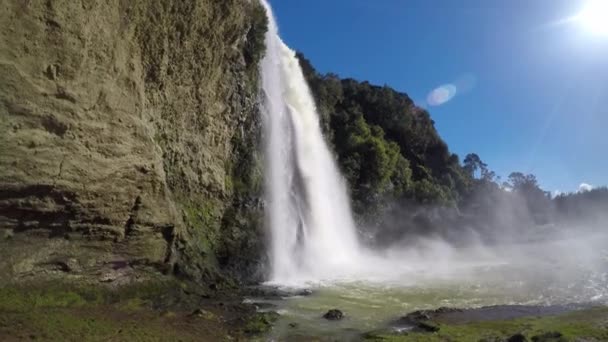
x=69, y=312
x=26, y=297
x=101, y=324
x=591, y=324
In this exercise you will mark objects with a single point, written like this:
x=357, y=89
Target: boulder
x=333, y=315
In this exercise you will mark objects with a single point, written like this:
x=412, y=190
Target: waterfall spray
x=312, y=231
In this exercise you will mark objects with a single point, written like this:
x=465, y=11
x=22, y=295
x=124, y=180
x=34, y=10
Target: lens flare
x=441, y=95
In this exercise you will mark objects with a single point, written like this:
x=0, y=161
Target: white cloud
x=556, y=193
x=584, y=187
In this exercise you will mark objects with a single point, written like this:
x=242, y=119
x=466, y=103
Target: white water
x=313, y=235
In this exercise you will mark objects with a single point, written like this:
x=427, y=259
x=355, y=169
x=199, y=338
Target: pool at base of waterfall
x=540, y=275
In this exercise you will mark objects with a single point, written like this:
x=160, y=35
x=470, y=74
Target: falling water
x=313, y=235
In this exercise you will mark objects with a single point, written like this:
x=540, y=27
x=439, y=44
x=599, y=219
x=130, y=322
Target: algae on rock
x=129, y=134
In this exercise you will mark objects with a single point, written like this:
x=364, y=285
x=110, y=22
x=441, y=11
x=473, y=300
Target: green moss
x=587, y=324
x=14, y=299
x=26, y=297
x=204, y=219
x=83, y=312
x=261, y=323
x=69, y=325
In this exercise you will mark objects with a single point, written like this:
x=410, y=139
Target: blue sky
x=539, y=100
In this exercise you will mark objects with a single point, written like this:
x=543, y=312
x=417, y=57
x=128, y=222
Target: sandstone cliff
x=129, y=138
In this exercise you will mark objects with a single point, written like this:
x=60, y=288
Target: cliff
x=129, y=138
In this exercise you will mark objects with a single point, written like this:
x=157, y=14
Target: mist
x=556, y=253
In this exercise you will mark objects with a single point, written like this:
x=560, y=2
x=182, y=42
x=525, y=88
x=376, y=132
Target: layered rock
x=129, y=136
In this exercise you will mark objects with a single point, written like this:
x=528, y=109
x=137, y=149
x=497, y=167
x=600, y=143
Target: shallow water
x=563, y=271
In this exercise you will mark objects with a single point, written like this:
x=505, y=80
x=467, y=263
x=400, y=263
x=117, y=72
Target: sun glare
x=594, y=17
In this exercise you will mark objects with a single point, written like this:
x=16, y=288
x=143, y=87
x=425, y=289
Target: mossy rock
x=261, y=323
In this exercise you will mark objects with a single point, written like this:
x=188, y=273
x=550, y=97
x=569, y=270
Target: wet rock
x=118, y=264
x=420, y=321
x=426, y=315
x=269, y=292
x=333, y=315
x=553, y=336
x=422, y=315
x=445, y=310
x=517, y=338
x=272, y=292
x=293, y=325
x=68, y=265
x=426, y=327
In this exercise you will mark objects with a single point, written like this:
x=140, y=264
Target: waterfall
x=313, y=235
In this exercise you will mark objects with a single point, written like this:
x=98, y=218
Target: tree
x=472, y=163
x=519, y=181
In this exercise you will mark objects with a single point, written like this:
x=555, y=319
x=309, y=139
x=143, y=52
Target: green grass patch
x=81, y=312
x=27, y=297
x=591, y=324
x=77, y=325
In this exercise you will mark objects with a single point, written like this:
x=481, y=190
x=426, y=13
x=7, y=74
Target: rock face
x=129, y=137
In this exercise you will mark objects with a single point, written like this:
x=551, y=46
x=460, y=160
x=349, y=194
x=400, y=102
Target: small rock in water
x=517, y=338
x=293, y=325
x=418, y=321
x=334, y=315
x=422, y=315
